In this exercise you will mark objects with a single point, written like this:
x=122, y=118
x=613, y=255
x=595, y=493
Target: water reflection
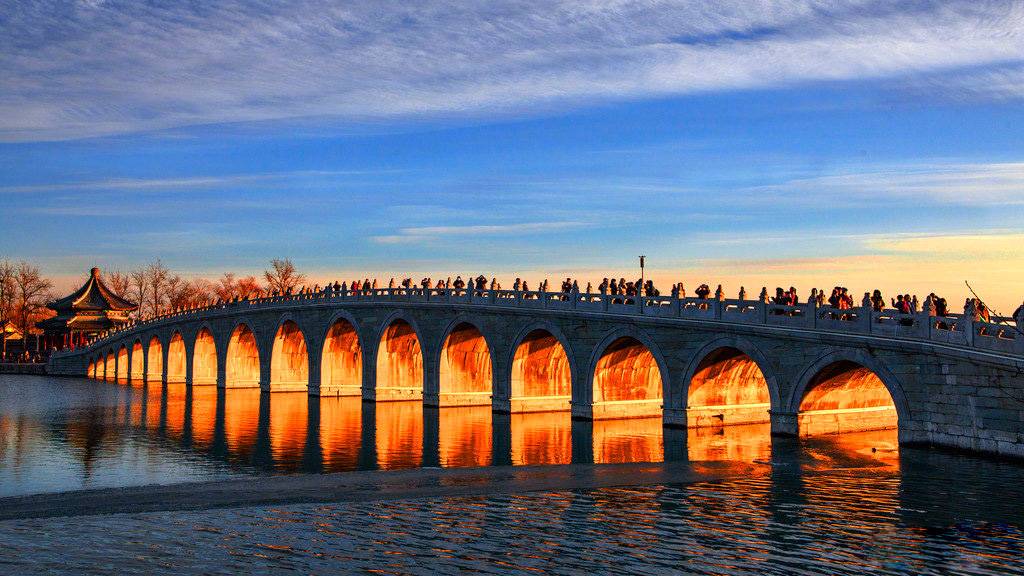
x=84, y=433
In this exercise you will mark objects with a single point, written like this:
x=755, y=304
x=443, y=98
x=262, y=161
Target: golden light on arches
x=138, y=362
x=541, y=378
x=399, y=364
x=727, y=388
x=90, y=372
x=627, y=381
x=122, y=363
x=204, y=358
x=176, y=359
x=341, y=364
x=155, y=360
x=465, y=362
x=845, y=396
x=289, y=363
x=109, y=368
x=242, y=366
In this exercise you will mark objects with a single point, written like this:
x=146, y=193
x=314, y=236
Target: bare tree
x=118, y=282
x=7, y=299
x=139, y=288
x=183, y=294
x=31, y=292
x=229, y=288
x=156, y=278
x=248, y=287
x=281, y=276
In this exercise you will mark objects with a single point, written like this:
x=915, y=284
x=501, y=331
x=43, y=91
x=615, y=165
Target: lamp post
x=641, y=273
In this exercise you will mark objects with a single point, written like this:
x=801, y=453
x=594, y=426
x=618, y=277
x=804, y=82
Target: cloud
x=92, y=68
x=1000, y=184
x=437, y=232
x=189, y=183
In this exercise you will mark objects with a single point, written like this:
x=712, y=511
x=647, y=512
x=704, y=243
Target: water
x=851, y=504
x=59, y=434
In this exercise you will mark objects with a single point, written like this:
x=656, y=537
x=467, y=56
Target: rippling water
x=847, y=522
x=59, y=434
x=849, y=504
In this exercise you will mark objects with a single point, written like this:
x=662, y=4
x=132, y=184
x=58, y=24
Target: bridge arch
x=466, y=364
x=727, y=381
x=341, y=360
x=138, y=361
x=122, y=362
x=90, y=371
x=541, y=368
x=155, y=360
x=204, y=357
x=626, y=377
x=289, y=358
x=177, y=358
x=847, y=390
x=399, y=359
x=242, y=358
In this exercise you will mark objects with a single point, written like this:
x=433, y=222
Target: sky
x=868, y=144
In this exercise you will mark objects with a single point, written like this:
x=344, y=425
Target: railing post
x=639, y=303
x=677, y=306
x=575, y=295
x=968, y=323
x=717, y=307
x=812, y=311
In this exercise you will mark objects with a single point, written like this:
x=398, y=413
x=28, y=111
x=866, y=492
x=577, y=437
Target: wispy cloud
x=191, y=183
x=436, y=232
x=1000, y=184
x=90, y=68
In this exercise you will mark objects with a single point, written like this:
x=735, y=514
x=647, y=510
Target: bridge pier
x=785, y=423
x=674, y=417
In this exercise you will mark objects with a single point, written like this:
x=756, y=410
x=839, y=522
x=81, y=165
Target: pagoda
x=90, y=311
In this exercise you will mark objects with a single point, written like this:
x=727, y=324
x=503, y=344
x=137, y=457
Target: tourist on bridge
x=901, y=304
x=603, y=287
x=878, y=302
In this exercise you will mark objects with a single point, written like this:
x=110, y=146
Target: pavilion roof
x=93, y=295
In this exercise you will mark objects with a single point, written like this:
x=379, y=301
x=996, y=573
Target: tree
x=248, y=287
x=7, y=299
x=31, y=292
x=118, y=282
x=184, y=294
x=228, y=288
x=139, y=289
x=282, y=277
x=156, y=279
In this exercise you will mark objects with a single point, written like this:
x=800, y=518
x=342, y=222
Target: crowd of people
x=839, y=298
x=623, y=291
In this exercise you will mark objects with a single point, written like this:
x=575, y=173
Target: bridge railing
x=999, y=334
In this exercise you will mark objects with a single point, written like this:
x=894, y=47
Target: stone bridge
x=951, y=380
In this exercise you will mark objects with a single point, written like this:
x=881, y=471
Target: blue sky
x=863, y=143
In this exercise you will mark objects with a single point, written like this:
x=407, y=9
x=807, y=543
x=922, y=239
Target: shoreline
x=364, y=486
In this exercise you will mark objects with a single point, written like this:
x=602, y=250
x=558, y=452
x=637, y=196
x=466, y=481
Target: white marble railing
x=1000, y=335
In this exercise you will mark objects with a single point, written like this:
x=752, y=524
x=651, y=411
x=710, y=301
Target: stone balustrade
x=1001, y=335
